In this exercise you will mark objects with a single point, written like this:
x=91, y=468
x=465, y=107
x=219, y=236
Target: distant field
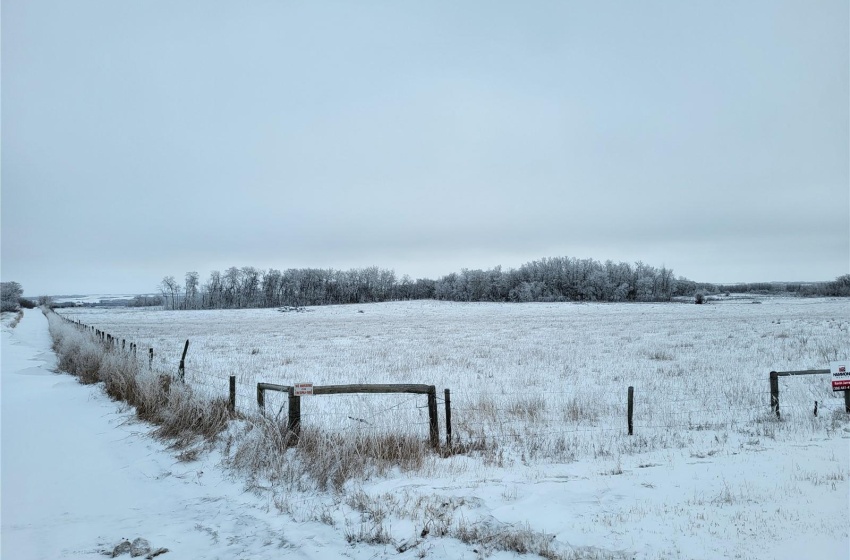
x=536, y=381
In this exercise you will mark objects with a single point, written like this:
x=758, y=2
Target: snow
x=79, y=474
x=94, y=299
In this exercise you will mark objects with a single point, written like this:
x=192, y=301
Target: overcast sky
x=149, y=138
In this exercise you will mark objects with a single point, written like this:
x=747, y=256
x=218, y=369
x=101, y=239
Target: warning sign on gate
x=840, y=375
x=303, y=389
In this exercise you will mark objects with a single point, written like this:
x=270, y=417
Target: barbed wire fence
x=515, y=417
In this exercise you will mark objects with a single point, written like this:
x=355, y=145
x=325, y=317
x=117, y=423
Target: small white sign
x=840, y=375
x=303, y=389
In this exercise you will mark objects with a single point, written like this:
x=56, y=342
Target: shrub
x=10, y=294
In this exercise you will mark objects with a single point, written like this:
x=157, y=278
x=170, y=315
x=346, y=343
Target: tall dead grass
x=181, y=415
x=262, y=448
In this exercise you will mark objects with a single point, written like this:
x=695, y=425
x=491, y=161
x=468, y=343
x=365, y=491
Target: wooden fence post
x=261, y=398
x=432, y=417
x=232, y=403
x=448, y=419
x=150, y=358
x=181, y=370
x=293, y=424
x=631, y=408
x=774, y=392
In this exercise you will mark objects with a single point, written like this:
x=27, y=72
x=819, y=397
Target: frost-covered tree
x=191, y=301
x=270, y=287
x=170, y=292
x=232, y=282
x=212, y=295
x=548, y=279
x=10, y=295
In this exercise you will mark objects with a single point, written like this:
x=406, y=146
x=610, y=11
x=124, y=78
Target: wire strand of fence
x=517, y=426
x=538, y=433
x=691, y=412
x=715, y=398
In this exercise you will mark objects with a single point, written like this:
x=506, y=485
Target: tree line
x=840, y=287
x=550, y=279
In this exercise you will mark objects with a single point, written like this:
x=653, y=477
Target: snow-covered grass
x=10, y=319
x=535, y=381
x=180, y=414
x=539, y=411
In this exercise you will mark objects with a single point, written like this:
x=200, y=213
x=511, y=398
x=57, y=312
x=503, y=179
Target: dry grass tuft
x=529, y=408
x=79, y=357
x=522, y=540
x=258, y=448
x=187, y=417
x=263, y=448
x=333, y=459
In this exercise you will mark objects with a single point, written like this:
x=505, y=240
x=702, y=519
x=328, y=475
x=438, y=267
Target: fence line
x=635, y=409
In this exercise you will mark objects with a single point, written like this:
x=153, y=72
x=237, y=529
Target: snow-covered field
x=709, y=473
x=545, y=380
x=93, y=299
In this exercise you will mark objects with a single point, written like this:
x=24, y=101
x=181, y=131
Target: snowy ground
x=78, y=475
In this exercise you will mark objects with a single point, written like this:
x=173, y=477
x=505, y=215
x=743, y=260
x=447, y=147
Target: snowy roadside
x=79, y=475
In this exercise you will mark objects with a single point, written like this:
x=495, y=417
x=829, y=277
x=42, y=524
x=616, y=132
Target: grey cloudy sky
x=149, y=138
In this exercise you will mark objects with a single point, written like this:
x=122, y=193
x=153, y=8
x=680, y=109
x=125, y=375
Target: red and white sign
x=303, y=389
x=840, y=375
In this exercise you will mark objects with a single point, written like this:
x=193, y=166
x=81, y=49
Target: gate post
x=293, y=425
x=774, y=392
x=432, y=417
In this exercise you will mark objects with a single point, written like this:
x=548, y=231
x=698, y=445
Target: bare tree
x=192, y=280
x=213, y=290
x=170, y=291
